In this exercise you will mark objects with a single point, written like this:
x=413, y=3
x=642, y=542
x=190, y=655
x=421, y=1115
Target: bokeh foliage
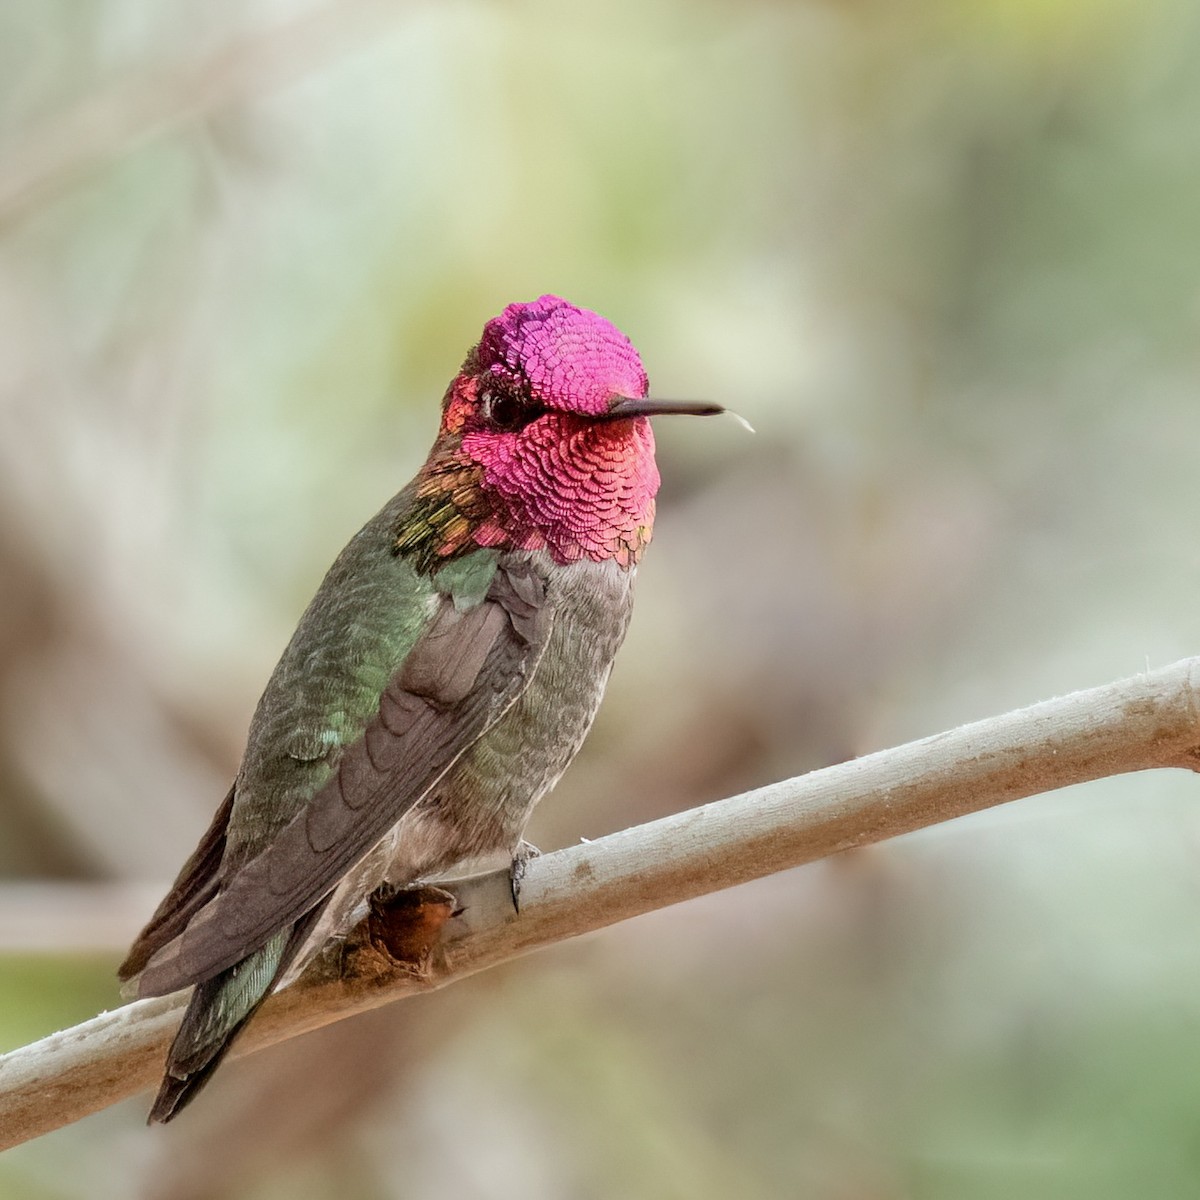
x=942, y=254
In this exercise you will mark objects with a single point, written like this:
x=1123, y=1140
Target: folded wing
x=463, y=674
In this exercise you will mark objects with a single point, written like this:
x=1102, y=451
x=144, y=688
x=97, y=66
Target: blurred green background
x=944, y=255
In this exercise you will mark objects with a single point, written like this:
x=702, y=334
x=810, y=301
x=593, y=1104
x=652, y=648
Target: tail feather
x=214, y=1017
x=177, y=1091
x=216, y=1013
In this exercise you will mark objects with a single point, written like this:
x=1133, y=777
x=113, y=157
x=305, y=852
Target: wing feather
x=195, y=886
x=462, y=675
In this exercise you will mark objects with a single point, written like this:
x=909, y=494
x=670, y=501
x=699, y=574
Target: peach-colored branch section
x=1152, y=720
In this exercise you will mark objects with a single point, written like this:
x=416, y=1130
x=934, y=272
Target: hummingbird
x=438, y=684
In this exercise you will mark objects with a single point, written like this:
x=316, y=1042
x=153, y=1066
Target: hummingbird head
x=545, y=443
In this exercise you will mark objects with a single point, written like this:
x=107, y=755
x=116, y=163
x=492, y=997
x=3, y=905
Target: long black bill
x=622, y=408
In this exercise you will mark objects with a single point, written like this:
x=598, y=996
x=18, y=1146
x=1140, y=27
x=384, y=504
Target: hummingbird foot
x=516, y=872
x=405, y=924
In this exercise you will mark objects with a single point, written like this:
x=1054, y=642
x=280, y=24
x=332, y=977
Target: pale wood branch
x=1150, y=721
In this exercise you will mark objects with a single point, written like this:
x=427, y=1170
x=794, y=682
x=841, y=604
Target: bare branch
x=1152, y=720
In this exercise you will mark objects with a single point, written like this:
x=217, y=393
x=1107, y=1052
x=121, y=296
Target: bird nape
x=438, y=684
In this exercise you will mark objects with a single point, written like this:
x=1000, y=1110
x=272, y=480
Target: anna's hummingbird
x=440, y=681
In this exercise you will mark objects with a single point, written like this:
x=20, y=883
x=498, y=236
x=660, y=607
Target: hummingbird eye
x=506, y=410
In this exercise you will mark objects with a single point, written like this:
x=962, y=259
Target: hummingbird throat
x=572, y=487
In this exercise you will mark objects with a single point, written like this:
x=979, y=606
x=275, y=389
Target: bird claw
x=516, y=872
x=405, y=923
